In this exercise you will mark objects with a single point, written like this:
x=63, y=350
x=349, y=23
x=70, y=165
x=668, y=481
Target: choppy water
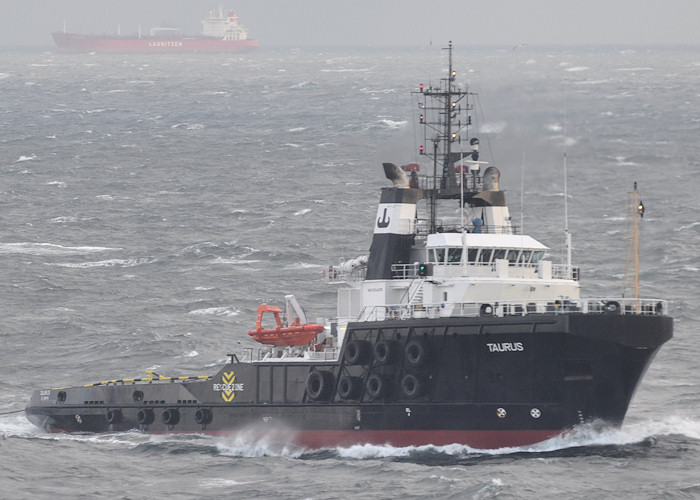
x=148, y=205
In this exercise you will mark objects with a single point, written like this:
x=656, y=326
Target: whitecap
x=303, y=265
x=346, y=70
x=304, y=84
x=103, y=263
x=190, y=354
x=303, y=211
x=393, y=124
x=220, y=482
x=215, y=311
x=26, y=158
x=188, y=126
x=49, y=249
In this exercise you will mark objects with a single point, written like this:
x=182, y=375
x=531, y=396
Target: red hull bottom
x=483, y=440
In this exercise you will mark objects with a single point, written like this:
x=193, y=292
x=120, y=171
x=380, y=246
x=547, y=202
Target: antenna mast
x=567, y=234
x=444, y=115
x=634, y=212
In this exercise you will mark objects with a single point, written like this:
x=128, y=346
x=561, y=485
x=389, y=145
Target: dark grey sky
x=372, y=22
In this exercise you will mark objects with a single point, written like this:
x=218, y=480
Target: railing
x=423, y=228
x=298, y=353
x=452, y=269
x=334, y=275
x=565, y=272
x=645, y=307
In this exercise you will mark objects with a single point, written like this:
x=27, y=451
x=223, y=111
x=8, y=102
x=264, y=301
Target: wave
x=27, y=248
x=582, y=440
x=585, y=440
x=189, y=126
x=304, y=84
x=24, y=158
x=104, y=263
x=215, y=311
x=346, y=70
x=390, y=124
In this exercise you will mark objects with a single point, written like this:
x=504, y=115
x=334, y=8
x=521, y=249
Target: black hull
x=485, y=382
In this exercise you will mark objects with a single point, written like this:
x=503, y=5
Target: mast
x=444, y=116
x=634, y=212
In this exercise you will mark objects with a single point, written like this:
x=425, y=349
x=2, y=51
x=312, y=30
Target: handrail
x=624, y=306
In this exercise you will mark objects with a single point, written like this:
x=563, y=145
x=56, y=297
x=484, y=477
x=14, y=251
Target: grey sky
x=327, y=23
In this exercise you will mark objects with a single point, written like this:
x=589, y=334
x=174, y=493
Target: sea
x=150, y=203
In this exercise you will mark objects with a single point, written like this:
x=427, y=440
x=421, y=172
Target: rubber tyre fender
x=612, y=307
x=114, y=416
x=319, y=385
x=348, y=387
x=415, y=354
x=357, y=352
x=385, y=352
x=171, y=416
x=203, y=416
x=376, y=386
x=486, y=310
x=412, y=386
x=145, y=416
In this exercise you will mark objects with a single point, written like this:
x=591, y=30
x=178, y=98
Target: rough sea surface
x=149, y=204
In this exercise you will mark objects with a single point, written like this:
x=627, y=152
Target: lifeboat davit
x=294, y=334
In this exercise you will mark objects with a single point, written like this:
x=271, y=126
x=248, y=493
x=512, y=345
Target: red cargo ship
x=220, y=34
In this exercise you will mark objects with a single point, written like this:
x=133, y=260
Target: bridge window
x=454, y=255
x=537, y=256
x=436, y=255
x=472, y=253
x=499, y=253
x=485, y=255
x=513, y=256
x=525, y=256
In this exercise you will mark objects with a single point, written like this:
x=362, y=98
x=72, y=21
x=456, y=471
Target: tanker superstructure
x=451, y=330
x=220, y=33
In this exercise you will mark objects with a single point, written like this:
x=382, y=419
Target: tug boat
x=448, y=331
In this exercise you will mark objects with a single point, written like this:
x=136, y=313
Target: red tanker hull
x=71, y=42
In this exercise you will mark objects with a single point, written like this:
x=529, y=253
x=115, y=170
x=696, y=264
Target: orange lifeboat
x=294, y=334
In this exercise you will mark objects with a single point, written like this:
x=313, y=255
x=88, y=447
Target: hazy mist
x=366, y=23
